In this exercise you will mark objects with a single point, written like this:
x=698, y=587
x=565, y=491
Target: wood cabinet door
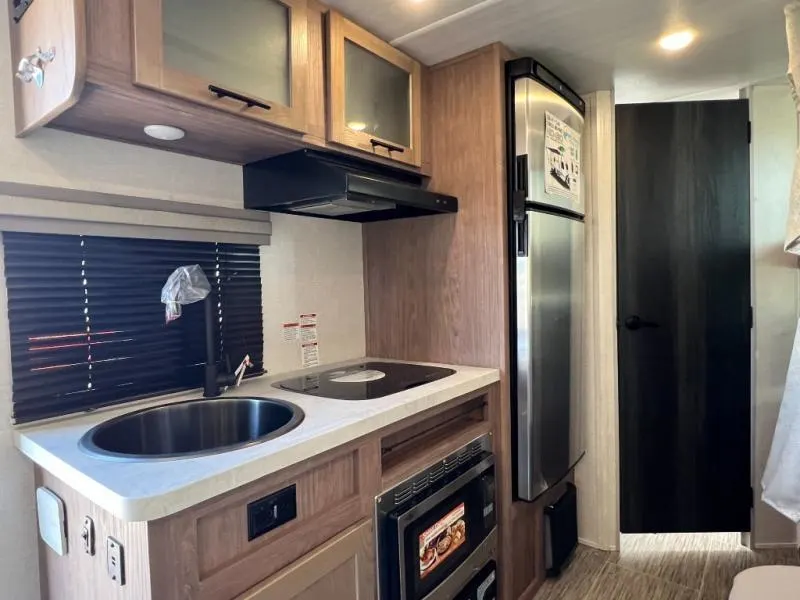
x=247, y=57
x=58, y=29
x=341, y=569
x=375, y=94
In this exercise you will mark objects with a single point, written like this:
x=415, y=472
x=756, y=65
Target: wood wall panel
x=437, y=287
x=79, y=575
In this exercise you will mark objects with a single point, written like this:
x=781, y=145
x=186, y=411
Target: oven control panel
x=271, y=512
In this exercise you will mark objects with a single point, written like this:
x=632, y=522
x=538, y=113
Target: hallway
x=662, y=567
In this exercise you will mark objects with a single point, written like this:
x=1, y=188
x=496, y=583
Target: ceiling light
x=677, y=41
x=167, y=133
x=357, y=125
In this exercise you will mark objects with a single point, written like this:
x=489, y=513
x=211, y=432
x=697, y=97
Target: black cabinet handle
x=250, y=102
x=389, y=147
x=635, y=322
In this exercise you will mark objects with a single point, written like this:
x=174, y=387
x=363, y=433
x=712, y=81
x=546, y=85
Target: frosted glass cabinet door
x=248, y=57
x=374, y=94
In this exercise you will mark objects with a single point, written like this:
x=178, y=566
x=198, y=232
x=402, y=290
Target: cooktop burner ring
x=356, y=375
x=364, y=381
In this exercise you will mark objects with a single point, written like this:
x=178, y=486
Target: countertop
x=142, y=490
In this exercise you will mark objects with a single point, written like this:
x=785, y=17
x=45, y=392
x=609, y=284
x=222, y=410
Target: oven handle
x=429, y=502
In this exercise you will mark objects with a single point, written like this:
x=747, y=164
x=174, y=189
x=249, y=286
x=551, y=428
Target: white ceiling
x=598, y=44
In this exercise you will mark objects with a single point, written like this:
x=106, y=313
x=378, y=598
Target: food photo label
x=439, y=541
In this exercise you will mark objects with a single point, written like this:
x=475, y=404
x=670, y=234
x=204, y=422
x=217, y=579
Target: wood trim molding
x=42, y=209
x=597, y=475
x=43, y=192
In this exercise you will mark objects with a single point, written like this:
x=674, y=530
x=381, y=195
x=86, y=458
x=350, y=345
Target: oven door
x=438, y=533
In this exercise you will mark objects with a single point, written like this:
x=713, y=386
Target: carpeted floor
x=662, y=567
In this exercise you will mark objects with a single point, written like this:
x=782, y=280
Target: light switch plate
x=52, y=520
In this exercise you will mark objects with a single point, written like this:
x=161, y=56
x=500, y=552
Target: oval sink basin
x=192, y=428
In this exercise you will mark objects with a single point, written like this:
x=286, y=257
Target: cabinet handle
x=390, y=147
x=250, y=102
x=31, y=67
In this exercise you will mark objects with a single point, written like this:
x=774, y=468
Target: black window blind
x=87, y=323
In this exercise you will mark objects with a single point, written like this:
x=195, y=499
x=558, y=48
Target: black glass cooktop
x=365, y=381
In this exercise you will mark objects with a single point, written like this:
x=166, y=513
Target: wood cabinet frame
x=150, y=70
x=339, y=30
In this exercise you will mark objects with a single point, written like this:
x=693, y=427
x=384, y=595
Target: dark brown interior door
x=683, y=250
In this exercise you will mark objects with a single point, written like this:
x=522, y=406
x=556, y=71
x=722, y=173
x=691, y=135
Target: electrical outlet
x=115, y=561
x=87, y=535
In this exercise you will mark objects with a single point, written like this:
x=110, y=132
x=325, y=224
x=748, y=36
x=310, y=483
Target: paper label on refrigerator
x=562, y=159
x=291, y=332
x=310, y=354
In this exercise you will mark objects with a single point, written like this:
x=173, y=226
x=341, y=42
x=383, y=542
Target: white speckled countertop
x=142, y=490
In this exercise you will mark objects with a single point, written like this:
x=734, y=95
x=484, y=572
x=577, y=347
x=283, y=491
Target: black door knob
x=635, y=322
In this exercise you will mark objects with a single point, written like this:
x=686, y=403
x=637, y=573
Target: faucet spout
x=211, y=388
x=214, y=381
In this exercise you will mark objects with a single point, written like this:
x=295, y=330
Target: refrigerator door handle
x=520, y=193
x=521, y=234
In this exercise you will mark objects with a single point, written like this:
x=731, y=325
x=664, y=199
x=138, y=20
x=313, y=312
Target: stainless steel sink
x=192, y=428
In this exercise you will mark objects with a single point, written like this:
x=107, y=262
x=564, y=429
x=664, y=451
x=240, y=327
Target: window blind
x=87, y=326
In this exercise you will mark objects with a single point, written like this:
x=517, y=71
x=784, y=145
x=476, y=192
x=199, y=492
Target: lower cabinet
x=342, y=569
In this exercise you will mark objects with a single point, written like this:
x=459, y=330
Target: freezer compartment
x=542, y=166
x=549, y=299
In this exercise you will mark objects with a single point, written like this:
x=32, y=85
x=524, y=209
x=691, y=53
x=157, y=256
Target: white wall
x=312, y=266
x=775, y=284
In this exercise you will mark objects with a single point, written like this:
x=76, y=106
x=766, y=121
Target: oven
x=437, y=530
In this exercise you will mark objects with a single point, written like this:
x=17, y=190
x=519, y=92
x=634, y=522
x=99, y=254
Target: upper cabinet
x=247, y=57
x=374, y=94
x=237, y=81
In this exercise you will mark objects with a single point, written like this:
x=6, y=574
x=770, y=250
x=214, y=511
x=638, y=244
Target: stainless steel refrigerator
x=546, y=219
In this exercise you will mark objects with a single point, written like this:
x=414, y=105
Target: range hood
x=331, y=186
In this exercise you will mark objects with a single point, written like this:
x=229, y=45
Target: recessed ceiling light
x=165, y=132
x=677, y=41
x=357, y=125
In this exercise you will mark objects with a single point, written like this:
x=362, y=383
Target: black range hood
x=332, y=186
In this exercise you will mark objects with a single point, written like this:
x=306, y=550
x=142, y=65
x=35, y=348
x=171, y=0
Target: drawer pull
x=249, y=102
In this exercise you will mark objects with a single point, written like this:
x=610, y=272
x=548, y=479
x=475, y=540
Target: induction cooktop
x=365, y=381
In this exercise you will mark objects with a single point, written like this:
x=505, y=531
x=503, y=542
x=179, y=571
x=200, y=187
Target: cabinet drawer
x=343, y=568
x=374, y=92
x=247, y=57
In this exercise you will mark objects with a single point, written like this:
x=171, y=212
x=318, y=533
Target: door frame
x=597, y=475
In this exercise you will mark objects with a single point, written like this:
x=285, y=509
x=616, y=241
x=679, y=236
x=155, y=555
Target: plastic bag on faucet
x=186, y=285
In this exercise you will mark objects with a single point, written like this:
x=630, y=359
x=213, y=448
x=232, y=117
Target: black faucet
x=214, y=380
